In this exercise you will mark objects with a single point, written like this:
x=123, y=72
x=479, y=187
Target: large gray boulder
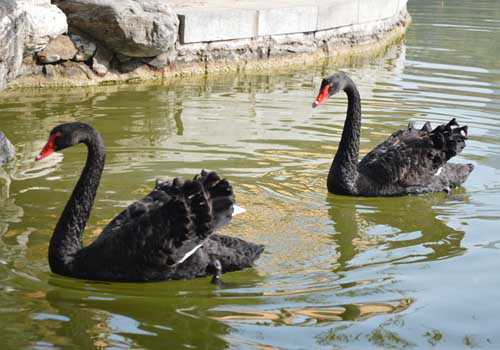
x=134, y=28
x=12, y=31
x=45, y=22
x=26, y=26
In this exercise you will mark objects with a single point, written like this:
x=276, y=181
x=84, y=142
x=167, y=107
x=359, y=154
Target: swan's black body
x=148, y=241
x=7, y=150
x=410, y=161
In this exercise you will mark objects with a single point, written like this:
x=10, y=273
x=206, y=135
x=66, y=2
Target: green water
x=338, y=272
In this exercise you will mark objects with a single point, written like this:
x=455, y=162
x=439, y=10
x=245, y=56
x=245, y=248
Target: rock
x=99, y=69
x=86, y=48
x=123, y=58
x=130, y=66
x=30, y=67
x=44, y=22
x=130, y=27
x=86, y=70
x=162, y=60
x=58, y=49
x=49, y=71
x=25, y=27
x=13, y=26
x=72, y=70
x=101, y=61
x=7, y=151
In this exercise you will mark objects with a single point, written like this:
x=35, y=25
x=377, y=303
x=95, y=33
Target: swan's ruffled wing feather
x=411, y=157
x=171, y=221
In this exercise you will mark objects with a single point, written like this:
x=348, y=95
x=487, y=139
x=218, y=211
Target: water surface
x=338, y=272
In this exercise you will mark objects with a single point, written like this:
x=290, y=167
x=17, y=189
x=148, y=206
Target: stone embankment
x=87, y=42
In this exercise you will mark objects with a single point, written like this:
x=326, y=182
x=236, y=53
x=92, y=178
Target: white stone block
x=402, y=4
x=337, y=13
x=287, y=20
x=200, y=25
x=374, y=10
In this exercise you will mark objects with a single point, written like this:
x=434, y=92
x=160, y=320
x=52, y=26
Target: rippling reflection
x=313, y=315
x=405, y=229
x=338, y=272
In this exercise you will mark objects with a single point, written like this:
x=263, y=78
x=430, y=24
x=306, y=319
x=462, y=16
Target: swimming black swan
x=410, y=161
x=7, y=150
x=169, y=234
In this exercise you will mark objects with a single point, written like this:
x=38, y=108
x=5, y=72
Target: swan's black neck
x=344, y=170
x=66, y=240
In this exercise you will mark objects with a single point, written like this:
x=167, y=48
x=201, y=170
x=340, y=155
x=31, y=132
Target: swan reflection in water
x=117, y=315
x=9, y=211
x=169, y=315
x=21, y=168
x=404, y=230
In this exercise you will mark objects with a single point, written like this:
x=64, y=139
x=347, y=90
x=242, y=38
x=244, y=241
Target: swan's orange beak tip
x=44, y=153
x=48, y=149
x=322, y=96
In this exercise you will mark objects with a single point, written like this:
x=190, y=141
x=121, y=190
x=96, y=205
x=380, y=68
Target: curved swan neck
x=344, y=170
x=66, y=239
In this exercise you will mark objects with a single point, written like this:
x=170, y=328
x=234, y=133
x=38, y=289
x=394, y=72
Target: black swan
x=410, y=161
x=169, y=234
x=7, y=150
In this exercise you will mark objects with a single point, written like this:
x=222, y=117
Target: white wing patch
x=438, y=172
x=188, y=254
x=238, y=210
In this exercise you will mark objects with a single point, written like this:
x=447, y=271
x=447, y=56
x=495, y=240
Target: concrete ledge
x=217, y=20
x=375, y=10
x=334, y=14
x=287, y=20
x=202, y=25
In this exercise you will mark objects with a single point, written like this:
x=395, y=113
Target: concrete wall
x=252, y=19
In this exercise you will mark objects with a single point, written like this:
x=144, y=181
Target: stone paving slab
x=216, y=20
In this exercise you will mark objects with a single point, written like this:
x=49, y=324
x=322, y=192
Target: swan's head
x=329, y=87
x=64, y=136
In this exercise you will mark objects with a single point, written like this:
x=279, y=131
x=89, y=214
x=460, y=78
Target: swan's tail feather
x=426, y=127
x=449, y=138
x=233, y=253
x=220, y=194
x=454, y=175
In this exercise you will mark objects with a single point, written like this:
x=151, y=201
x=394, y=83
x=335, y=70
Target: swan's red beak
x=49, y=147
x=322, y=96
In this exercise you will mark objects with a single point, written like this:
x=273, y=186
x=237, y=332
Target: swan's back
x=415, y=161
